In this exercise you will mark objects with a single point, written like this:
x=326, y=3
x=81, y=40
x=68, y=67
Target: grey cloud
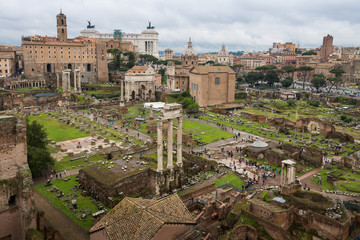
x=241, y=25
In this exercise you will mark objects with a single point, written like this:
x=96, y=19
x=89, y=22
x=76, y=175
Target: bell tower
x=61, y=27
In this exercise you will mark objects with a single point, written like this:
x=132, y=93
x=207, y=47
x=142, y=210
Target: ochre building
x=212, y=85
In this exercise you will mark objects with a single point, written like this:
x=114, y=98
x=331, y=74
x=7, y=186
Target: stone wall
x=324, y=226
x=16, y=193
x=243, y=232
x=275, y=231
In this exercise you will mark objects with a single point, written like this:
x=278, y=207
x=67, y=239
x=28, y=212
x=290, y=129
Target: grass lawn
x=84, y=203
x=56, y=130
x=205, y=133
x=67, y=164
x=232, y=179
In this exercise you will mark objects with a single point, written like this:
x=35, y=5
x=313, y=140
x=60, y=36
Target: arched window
x=217, y=80
x=48, y=68
x=69, y=66
x=62, y=30
x=88, y=68
x=62, y=22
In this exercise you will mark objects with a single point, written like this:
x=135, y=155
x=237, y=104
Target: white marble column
x=179, y=143
x=282, y=175
x=159, y=147
x=170, y=144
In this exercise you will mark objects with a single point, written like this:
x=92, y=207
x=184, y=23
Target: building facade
x=212, y=85
x=140, y=83
x=10, y=60
x=46, y=57
x=145, y=42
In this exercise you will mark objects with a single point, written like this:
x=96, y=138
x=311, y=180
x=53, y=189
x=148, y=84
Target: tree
x=131, y=59
x=240, y=80
x=289, y=69
x=264, y=69
x=117, y=59
x=148, y=58
x=338, y=72
x=210, y=62
x=253, y=77
x=237, y=68
x=271, y=77
x=334, y=81
x=309, y=53
x=39, y=157
x=318, y=81
x=305, y=71
x=287, y=82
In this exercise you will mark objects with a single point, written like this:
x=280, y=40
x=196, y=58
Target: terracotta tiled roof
x=209, y=69
x=135, y=218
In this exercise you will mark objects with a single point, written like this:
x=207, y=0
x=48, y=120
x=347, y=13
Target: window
x=217, y=80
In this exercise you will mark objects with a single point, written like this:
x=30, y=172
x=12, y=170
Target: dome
x=259, y=144
x=223, y=52
x=189, y=50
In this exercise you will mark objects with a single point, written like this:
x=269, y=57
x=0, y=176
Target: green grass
x=351, y=182
x=211, y=134
x=84, y=202
x=232, y=179
x=56, y=130
x=67, y=164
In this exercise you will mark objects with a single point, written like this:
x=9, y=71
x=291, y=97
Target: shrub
x=291, y=103
x=314, y=103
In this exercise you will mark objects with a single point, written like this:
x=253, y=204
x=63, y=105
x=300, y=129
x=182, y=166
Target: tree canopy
x=271, y=77
x=305, y=71
x=253, y=77
x=337, y=71
x=309, y=53
x=38, y=155
x=117, y=59
x=287, y=82
x=318, y=81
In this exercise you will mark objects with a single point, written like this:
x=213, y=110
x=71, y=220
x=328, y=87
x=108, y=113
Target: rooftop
x=135, y=218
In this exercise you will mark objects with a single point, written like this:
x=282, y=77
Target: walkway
x=67, y=228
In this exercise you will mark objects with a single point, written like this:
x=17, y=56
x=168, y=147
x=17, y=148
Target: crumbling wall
x=16, y=193
x=324, y=226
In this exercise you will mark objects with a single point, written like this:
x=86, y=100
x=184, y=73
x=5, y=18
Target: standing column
x=69, y=80
x=79, y=81
x=282, y=175
x=170, y=144
x=57, y=80
x=179, y=143
x=75, y=81
x=159, y=147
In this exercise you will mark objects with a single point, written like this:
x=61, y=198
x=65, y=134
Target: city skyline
x=240, y=26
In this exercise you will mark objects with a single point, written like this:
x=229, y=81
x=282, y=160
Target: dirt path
x=67, y=228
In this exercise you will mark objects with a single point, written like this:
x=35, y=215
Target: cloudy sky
x=241, y=24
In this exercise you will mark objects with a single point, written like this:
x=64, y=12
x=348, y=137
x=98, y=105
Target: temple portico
x=169, y=113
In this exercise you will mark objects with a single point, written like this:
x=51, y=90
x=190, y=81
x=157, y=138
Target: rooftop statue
x=89, y=25
x=150, y=27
